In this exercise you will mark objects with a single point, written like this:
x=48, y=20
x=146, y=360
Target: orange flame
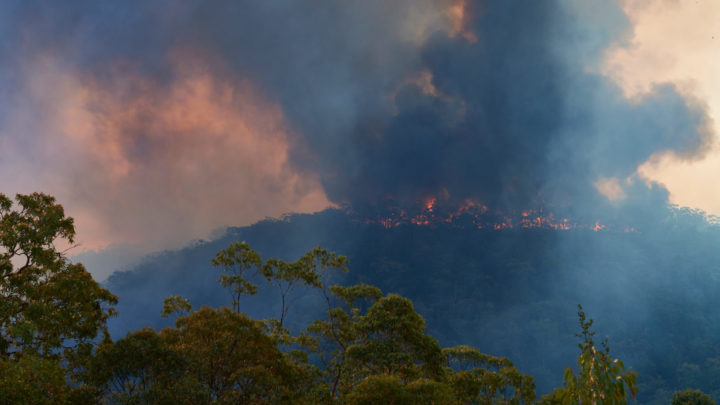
x=430, y=204
x=432, y=214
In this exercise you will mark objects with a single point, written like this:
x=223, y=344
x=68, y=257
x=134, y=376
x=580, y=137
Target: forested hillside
x=367, y=347
x=510, y=292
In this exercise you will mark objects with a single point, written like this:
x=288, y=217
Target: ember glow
x=475, y=214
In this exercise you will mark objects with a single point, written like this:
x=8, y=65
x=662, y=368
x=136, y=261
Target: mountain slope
x=509, y=292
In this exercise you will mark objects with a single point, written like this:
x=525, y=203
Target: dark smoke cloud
x=98, y=101
x=514, y=119
x=519, y=121
x=397, y=100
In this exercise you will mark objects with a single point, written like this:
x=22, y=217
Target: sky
x=678, y=42
x=158, y=123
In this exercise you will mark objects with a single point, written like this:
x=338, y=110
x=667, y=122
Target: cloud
x=675, y=41
x=610, y=188
x=137, y=161
x=516, y=118
x=158, y=121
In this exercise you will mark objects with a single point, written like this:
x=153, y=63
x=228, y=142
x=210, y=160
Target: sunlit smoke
x=459, y=18
x=157, y=164
x=675, y=41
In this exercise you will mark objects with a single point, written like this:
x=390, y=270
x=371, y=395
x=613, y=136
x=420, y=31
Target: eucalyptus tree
x=49, y=306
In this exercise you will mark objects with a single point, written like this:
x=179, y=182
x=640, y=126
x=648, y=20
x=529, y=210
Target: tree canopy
x=46, y=301
x=369, y=347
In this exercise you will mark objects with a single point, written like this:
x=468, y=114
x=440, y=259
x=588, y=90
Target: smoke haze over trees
x=479, y=163
x=365, y=105
x=509, y=292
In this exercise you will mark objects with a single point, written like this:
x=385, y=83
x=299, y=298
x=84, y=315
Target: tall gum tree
x=49, y=307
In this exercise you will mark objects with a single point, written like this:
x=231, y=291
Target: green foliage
x=384, y=353
x=31, y=379
x=599, y=378
x=391, y=339
x=237, y=260
x=372, y=348
x=484, y=379
x=331, y=338
x=211, y=356
x=691, y=397
x=390, y=389
x=309, y=270
x=136, y=369
x=232, y=357
x=45, y=301
x=176, y=305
